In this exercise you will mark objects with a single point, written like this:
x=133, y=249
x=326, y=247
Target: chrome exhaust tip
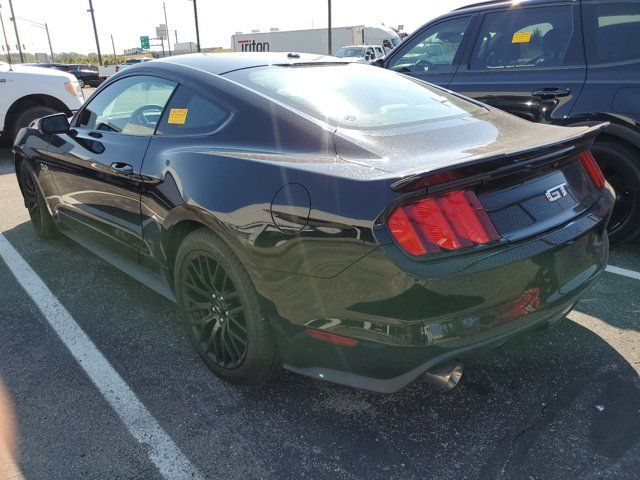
x=445, y=377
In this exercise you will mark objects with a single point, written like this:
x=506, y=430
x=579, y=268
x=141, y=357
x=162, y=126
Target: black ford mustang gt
x=340, y=220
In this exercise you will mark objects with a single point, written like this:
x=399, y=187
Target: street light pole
x=15, y=27
x=95, y=31
x=45, y=27
x=166, y=26
x=195, y=15
x=6, y=42
x=53, y=57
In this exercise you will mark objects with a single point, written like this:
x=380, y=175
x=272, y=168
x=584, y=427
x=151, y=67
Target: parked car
x=360, y=53
x=345, y=222
x=559, y=62
x=28, y=93
x=86, y=74
x=106, y=71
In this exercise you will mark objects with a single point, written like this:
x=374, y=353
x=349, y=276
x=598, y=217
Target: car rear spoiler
x=489, y=165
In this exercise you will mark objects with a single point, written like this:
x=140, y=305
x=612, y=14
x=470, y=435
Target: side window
x=131, y=106
x=434, y=50
x=525, y=38
x=190, y=113
x=612, y=27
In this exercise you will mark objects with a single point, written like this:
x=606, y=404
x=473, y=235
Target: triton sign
x=253, y=46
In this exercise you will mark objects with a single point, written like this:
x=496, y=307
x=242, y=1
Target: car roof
x=219, y=63
x=474, y=7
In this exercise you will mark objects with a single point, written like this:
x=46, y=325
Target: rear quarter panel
x=270, y=184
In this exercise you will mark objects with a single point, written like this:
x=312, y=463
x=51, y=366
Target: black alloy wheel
x=35, y=204
x=221, y=311
x=216, y=316
x=620, y=165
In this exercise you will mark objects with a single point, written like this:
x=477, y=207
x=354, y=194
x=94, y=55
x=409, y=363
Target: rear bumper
x=411, y=319
x=412, y=362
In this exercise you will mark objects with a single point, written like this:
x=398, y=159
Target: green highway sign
x=144, y=42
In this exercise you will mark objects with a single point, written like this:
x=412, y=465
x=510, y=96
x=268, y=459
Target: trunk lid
x=529, y=178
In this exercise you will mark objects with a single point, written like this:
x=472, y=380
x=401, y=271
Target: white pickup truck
x=28, y=93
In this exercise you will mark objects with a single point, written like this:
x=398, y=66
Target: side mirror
x=387, y=44
x=52, y=124
x=378, y=62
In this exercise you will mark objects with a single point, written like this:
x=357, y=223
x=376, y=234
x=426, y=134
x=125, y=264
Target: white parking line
x=163, y=452
x=624, y=272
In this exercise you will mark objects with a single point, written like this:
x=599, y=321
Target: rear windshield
x=354, y=96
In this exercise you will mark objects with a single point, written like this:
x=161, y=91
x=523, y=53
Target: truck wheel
x=25, y=118
x=620, y=165
x=81, y=82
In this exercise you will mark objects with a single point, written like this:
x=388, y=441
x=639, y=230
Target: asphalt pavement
x=560, y=403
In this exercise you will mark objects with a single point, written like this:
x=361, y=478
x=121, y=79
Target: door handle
x=552, y=92
x=95, y=134
x=121, y=167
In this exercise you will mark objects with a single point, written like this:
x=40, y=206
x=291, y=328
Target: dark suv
x=562, y=62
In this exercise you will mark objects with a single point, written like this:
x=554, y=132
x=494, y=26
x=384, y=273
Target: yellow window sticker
x=521, y=37
x=177, y=116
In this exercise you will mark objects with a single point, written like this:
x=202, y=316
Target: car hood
x=441, y=144
x=352, y=59
x=29, y=70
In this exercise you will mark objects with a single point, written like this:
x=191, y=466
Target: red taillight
x=448, y=222
x=593, y=169
x=332, y=338
x=403, y=231
x=435, y=227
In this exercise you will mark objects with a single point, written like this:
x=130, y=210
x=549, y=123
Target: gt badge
x=557, y=192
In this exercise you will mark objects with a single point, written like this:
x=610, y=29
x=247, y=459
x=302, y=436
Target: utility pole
x=95, y=30
x=15, y=27
x=166, y=25
x=53, y=57
x=114, y=50
x=6, y=42
x=330, y=39
x=195, y=15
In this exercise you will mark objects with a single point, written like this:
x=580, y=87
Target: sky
x=71, y=30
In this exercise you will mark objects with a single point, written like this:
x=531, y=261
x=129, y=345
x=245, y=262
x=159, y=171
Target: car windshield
x=355, y=96
x=350, y=52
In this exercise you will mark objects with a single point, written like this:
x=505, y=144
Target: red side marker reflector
x=593, y=169
x=331, y=338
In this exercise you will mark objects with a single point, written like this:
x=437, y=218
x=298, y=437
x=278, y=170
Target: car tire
x=620, y=164
x=81, y=83
x=221, y=311
x=29, y=115
x=35, y=203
